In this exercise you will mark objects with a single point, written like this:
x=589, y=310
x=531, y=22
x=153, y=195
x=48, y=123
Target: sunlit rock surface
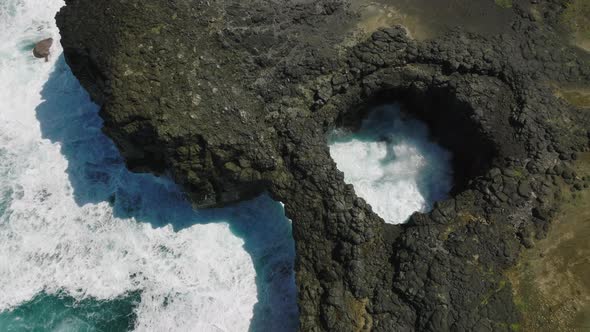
x=234, y=98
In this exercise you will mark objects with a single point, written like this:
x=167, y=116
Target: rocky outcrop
x=232, y=99
x=43, y=48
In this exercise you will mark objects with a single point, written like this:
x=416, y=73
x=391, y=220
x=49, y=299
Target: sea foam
x=393, y=164
x=75, y=221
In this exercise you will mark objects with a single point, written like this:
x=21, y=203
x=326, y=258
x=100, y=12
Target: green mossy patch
x=504, y=3
x=515, y=327
x=576, y=20
x=576, y=17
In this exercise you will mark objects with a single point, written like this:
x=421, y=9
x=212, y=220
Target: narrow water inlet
x=393, y=163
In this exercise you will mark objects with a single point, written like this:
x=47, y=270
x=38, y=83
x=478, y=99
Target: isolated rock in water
x=42, y=48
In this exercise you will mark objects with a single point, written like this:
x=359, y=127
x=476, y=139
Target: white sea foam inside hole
x=393, y=164
x=74, y=220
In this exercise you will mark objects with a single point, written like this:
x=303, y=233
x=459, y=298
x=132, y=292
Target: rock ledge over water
x=234, y=98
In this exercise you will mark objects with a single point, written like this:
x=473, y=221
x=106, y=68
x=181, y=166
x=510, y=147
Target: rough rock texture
x=43, y=48
x=232, y=98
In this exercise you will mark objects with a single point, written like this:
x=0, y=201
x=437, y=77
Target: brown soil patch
x=551, y=283
x=576, y=96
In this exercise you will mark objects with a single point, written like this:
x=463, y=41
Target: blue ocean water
x=63, y=313
x=86, y=245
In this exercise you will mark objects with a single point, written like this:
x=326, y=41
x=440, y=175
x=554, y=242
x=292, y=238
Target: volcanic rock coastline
x=234, y=98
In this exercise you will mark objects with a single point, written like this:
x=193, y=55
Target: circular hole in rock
x=393, y=163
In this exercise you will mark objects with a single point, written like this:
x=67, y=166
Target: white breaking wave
x=392, y=164
x=74, y=220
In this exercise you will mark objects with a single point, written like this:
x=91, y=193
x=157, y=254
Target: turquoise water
x=86, y=245
x=63, y=313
